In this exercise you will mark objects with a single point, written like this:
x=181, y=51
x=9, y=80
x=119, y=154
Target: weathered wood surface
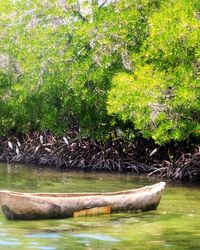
x=63, y=205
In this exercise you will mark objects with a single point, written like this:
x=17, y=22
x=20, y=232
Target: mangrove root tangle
x=44, y=149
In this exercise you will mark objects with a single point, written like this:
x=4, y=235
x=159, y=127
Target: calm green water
x=175, y=225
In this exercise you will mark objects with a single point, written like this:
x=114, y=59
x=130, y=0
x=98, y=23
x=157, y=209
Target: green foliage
x=162, y=96
x=100, y=66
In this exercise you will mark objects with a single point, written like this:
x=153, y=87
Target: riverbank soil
x=178, y=162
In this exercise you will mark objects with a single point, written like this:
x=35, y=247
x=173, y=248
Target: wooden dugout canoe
x=27, y=206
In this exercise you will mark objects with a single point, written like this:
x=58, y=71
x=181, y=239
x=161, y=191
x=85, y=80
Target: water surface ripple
x=174, y=225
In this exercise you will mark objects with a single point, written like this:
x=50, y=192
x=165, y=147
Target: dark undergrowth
x=178, y=162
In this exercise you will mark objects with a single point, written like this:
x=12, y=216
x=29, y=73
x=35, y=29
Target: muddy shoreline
x=178, y=162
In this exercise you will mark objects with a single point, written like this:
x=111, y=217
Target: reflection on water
x=175, y=225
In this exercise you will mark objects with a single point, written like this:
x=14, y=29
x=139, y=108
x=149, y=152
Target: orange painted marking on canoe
x=93, y=211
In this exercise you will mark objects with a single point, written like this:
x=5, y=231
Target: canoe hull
x=28, y=206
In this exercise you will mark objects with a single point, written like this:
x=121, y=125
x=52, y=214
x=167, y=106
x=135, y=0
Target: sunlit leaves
x=138, y=97
x=67, y=63
x=161, y=98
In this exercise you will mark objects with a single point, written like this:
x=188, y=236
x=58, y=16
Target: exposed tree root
x=117, y=155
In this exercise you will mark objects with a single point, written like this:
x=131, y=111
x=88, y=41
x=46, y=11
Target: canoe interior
x=160, y=185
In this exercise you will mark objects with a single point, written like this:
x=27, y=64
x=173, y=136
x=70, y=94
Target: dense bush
x=162, y=96
x=100, y=65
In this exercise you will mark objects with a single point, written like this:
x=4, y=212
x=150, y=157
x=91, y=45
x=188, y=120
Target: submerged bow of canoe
x=26, y=206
